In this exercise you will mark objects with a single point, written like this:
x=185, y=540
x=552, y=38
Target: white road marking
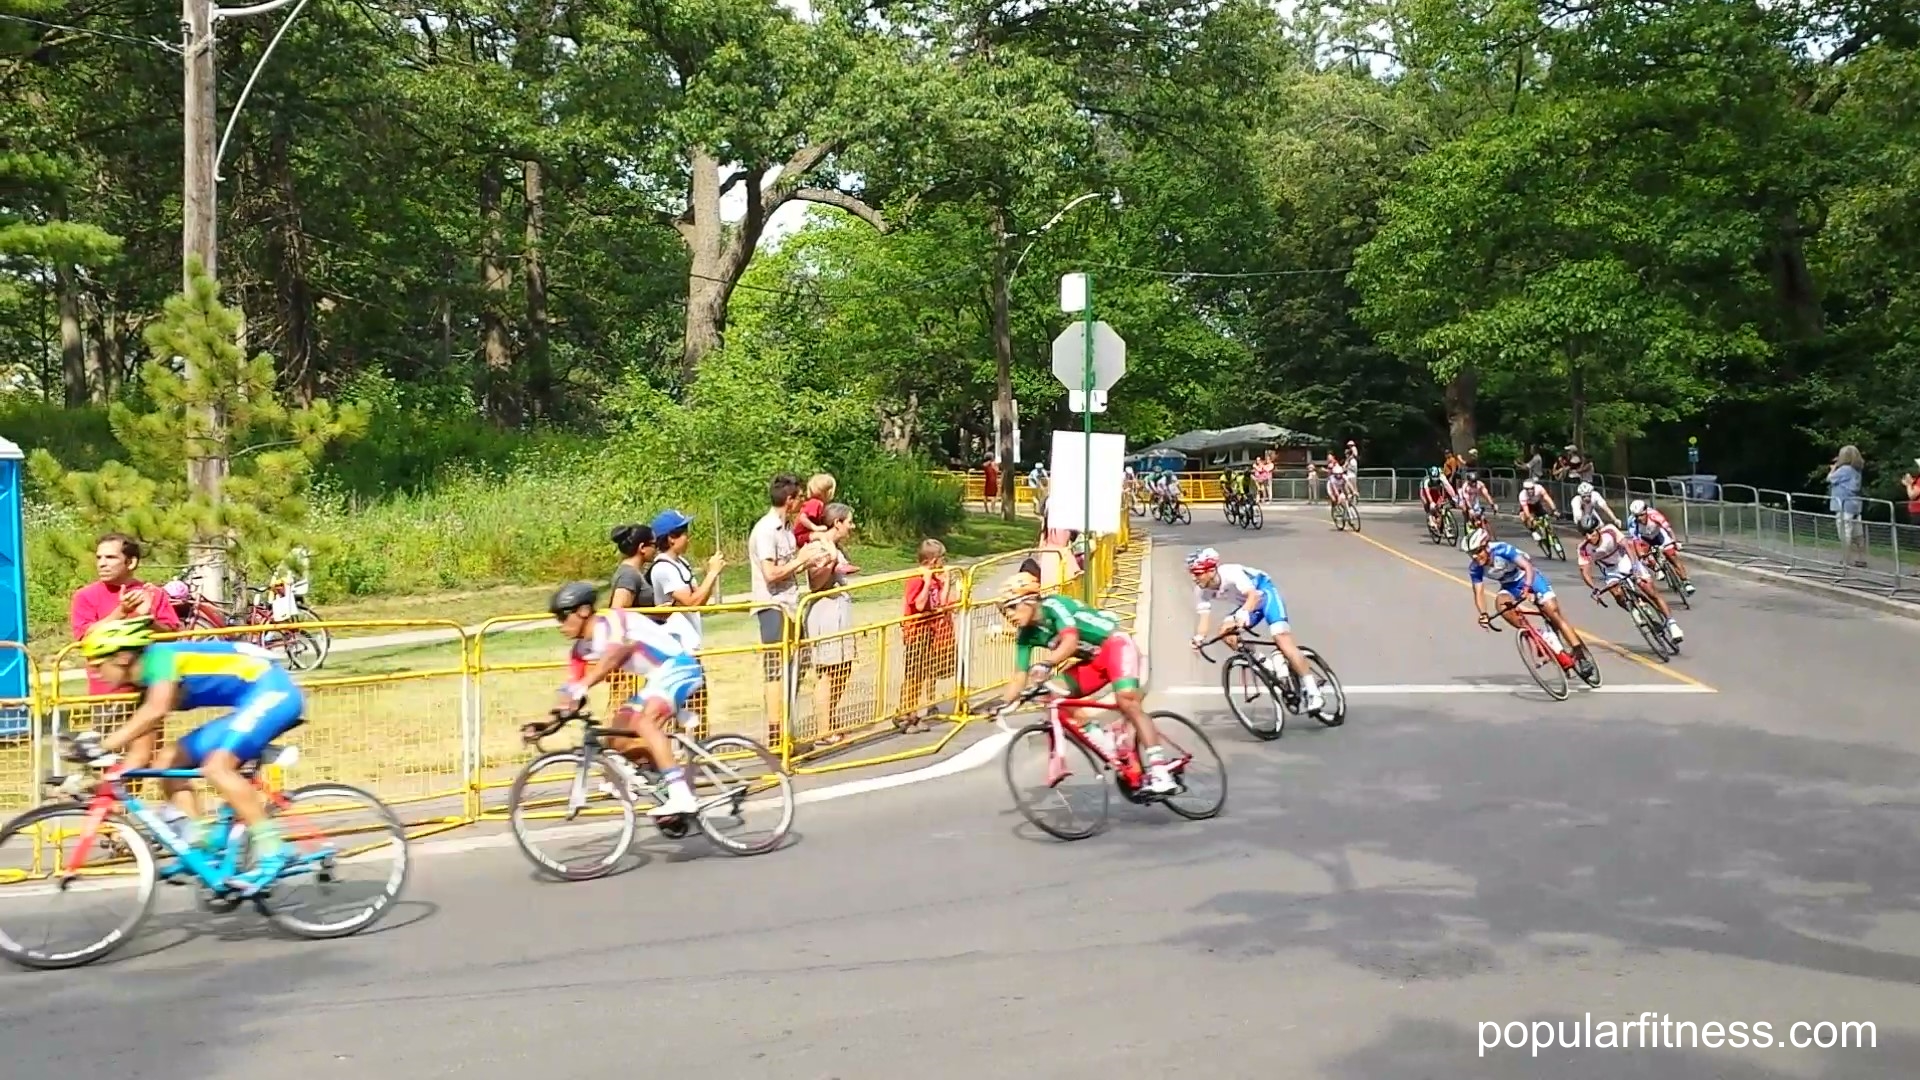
x=1393, y=689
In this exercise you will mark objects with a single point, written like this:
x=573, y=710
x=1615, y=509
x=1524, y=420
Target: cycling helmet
x=1586, y=489
x=111, y=636
x=1203, y=561
x=1530, y=484
x=1433, y=472
x=1478, y=540
x=1019, y=589
x=574, y=596
x=1637, y=508
x=1590, y=524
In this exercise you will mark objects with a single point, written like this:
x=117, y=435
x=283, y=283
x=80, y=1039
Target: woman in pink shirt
x=118, y=595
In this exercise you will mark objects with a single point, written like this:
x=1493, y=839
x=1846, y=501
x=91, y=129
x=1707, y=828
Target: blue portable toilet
x=15, y=681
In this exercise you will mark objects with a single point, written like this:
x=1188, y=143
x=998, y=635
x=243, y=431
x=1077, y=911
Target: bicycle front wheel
x=1339, y=519
x=1333, y=712
x=116, y=871
x=1353, y=515
x=1064, y=794
x=1542, y=664
x=746, y=802
x=1258, y=516
x=561, y=802
x=1183, y=514
x=349, y=861
x=1196, y=764
x=1252, y=698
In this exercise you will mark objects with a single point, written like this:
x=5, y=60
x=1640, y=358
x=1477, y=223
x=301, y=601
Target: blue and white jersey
x=1237, y=582
x=1510, y=565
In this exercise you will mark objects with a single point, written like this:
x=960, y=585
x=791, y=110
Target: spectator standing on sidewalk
x=831, y=647
x=775, y=560
x=117, y=594
x=1846, y=477
x=928, y=635
x=1911, y=483
x=671, y=575
x=631, y=587
x=1263, y=478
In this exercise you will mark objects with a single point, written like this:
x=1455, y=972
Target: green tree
x=197, y=371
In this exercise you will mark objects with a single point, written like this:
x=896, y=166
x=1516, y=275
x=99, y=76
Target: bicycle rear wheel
x=40, y=843
x=1252, y=698
x=578, y=799
x=1542, y=664
x=336, y=831
x=1196, y=764
x=1037, y=789
x=746, y=802
x=1675, y=582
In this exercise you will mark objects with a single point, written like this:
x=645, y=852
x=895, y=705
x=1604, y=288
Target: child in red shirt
x=928, y=635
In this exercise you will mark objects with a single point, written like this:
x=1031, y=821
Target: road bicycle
x=1345, y=509
x=1173, y=511
x=1547, y=658
x=1447, y=534
x=1646, y=618
x=1243, y=511
x=731, y=775
x=1548, y=538
x=281, y=603
x=1137, y=501
x=1250, y=678
x=1073, y=747
x=1670, y=574
x=103, y=845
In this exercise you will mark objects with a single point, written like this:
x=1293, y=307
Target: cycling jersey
x=655, y=643
x=1612, y=554
x=1057, y=615
x=1654, y=529
x=1587, y=504
x=239, y=675
x=1238, y=582
x=1509, y=569
x=1535, y=500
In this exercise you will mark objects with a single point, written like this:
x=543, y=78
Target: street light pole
x=1086, y=452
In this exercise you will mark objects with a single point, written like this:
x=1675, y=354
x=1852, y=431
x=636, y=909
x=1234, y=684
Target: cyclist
x=1587, y=501
x=1435, y=494
x=1337, y=490
x=1650, y=529
x=1536, y=505
x=624, y=640
x=1515, y=575
x=1258, y=601
x=1170, y=488
x=176, y=676
x=1476, y=500
x=1055, y=629
x=1607, y=546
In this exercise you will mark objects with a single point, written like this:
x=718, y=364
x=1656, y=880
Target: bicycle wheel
x=1450, y=527
x=1333, y=697
x=746, y=802
x=1252, y=698
x=570, y=789
x=1196, y=764
x=336, y=830
x=1048, y=784
x=1675, y=582
x=41, y=841
x=1559, y=549
x=1653, y=628
x=1542, y=664
x=1257, y=516
x=1183, y=514
x=1339, y=519
x=1353, y=514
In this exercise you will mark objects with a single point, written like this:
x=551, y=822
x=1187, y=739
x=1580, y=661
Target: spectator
x=774, y=561
x=1911, y=481
x=671, y=576
x=631, y=587
x=1263, y=477
x=989, y=483
x=1352, y=458
x=928, y=635
x=1313, y=481
x=813, y=512
x=1534, y=464
x=1845, y=480
x=830, y=643
x=118, y=594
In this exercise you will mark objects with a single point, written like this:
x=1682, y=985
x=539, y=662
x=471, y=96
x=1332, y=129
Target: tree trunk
x=496, y=280
x=1577, y=401
x=539, y=359
x=1003, y=361
x=1620, y=462
x=708, y=282
x=1461, y=393
x=73, y=340
x=289, y=257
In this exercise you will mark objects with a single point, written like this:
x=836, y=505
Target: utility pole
x=199, y=247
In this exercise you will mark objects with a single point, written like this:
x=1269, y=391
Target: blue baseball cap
x=668, y=521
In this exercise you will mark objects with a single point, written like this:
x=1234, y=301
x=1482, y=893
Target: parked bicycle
x=1249, y=678
x=281, y=603
x=1547, y=658
x=731, y=775
x=1646, y=618
x=102, y=846
x=1074, y=747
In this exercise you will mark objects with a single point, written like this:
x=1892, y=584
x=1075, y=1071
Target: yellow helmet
x=1019, y=589
x=110, y=636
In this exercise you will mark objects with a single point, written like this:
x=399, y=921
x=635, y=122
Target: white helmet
x=1637, y=507
x=1530, y=484
x=1586, y=489
x=1477, y=540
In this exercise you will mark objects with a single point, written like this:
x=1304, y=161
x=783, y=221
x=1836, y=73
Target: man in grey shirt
x=774, y=562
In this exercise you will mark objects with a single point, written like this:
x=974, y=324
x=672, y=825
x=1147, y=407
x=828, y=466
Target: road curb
x=1885, y=604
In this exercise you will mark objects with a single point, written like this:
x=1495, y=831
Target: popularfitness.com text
x=1660, y=1031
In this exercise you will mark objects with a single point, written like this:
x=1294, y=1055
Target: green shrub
x=895, y=498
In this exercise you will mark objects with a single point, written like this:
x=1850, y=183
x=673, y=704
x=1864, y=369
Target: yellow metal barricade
x=519, y=664
x=392, y=719
x=865, y=667
x=21, y=758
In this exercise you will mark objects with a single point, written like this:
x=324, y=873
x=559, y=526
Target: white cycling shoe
x=680, y=801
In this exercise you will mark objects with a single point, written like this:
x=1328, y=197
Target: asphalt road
x=1735, y=841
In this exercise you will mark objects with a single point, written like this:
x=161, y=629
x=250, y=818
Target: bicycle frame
x=593, y=745
x=111, y=793
x=1528, y=615
x=1124, y=761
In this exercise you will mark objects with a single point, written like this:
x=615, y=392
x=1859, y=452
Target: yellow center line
x=1585, y=634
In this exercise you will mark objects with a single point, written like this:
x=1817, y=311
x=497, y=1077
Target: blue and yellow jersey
x=209, y=672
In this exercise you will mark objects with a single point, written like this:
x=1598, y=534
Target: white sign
x=1076, y=400
x=1066, y=482
x=1070, y=356
x=1073, y=292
